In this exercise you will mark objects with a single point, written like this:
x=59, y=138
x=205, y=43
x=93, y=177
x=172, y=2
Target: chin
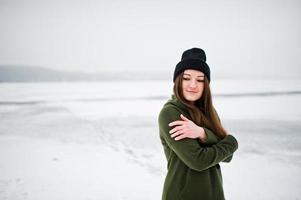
x=191, y=98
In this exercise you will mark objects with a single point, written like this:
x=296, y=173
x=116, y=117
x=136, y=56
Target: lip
x=192, y=91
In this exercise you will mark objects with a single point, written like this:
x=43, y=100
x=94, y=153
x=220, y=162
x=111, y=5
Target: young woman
x=192, y=135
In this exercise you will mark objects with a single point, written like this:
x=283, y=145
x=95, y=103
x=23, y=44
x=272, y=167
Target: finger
x=180, y=137
x=176, y=134
x=175, y=123
x=184, y=118
x=177, y=128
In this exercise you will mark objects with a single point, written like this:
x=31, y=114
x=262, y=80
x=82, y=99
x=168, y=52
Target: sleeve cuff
x=233, y=140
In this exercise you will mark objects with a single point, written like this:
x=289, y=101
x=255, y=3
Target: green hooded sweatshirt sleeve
x=213, y=139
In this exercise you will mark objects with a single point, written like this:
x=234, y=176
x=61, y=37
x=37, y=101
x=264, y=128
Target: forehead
x=193, y=72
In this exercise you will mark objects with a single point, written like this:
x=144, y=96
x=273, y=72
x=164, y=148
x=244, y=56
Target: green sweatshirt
x=193, y=167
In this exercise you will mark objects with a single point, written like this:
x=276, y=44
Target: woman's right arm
x=194, y=155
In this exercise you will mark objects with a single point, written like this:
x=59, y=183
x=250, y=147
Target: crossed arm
x=186, y=145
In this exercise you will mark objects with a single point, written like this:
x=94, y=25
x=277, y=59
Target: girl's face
x=193, y=85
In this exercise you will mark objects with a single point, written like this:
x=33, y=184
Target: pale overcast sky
x=255, y=38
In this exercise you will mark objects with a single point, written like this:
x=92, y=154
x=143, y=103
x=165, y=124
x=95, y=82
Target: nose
x=192, y=84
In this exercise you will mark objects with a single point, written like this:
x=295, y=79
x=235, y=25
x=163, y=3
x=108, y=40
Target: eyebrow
x=197, y=76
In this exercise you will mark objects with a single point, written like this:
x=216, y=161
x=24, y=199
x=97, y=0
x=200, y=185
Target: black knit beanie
x=194, y=58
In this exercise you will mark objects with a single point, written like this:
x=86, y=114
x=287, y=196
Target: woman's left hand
x=186, y=128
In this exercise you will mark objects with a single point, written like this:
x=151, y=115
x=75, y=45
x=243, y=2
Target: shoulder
x=168, y=113
x=169, y=108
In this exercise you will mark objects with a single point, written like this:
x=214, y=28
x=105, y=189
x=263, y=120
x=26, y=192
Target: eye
x=186, y=79
x=201, y=81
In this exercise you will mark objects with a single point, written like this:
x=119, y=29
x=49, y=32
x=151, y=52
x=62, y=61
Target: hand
x=185, y=128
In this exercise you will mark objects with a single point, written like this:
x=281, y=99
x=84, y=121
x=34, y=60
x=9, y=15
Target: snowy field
x=92, y=141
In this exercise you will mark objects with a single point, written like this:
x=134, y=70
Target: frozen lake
x=99, y=140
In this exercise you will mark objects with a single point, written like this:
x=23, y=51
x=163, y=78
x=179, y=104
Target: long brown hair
x=202, y=111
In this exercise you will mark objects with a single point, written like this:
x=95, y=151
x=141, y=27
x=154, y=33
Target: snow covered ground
x=100, y=140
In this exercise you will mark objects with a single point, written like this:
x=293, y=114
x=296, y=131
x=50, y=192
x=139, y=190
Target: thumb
x=184, y=118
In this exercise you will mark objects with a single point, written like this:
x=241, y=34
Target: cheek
x=201, y=89
x=200, y=86
x=184, y=85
